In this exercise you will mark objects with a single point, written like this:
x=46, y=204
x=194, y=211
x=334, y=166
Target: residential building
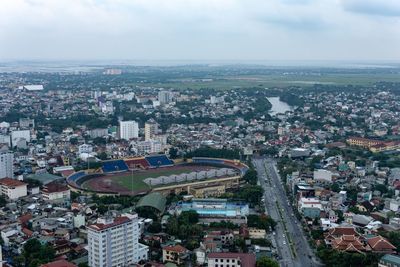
x=322, y=176
x=128, y=130
x=6, y=164
x=12, y=188
x=56, y=191
x=220, y=259
x=175, y=254
x=85, y=148
x=150, y=130
x=310, y=207
x=59, y=263
x=20, y=135
x=26, y=123
x=114, y=242
x=165, y=97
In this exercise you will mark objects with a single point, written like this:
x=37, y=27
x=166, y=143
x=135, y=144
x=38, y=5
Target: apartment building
x=115, y=242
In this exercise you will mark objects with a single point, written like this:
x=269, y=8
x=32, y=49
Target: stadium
x=158, y=173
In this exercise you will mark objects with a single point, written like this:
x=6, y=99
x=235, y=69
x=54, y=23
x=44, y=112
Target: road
x=289, y=238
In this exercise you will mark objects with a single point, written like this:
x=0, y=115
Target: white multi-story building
x=115, y=242
x=128, y=129
x=165, y=97
x=85, y=148
x=20, y=134
x=147, y=147
x=12, y=188
x=6, y=164
x=150, y=130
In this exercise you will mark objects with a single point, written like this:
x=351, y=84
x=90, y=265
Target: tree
x=188, y=217
x=155, y=227
x=35, y=253
x=266, y=262
x=335, y=187
x=3, y=201
x=173, y=152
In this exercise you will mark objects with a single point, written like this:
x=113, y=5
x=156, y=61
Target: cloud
x=197, y=29
x=387, y=8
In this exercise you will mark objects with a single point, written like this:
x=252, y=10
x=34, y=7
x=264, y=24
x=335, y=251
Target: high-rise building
x=150, y=130
x=128, y=130
x=165, y=97
x=115, y=242
x=6, y=164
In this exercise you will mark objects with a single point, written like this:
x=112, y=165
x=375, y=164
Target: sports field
x=133, y=182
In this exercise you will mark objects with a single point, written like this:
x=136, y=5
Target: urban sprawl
x=125, y=167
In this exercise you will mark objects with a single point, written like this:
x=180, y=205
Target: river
x=278, y=106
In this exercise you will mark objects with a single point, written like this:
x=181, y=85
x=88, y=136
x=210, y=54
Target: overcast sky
x=200, y=29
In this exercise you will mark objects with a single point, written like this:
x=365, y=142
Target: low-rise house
x=255, y=233
x=221, y=259
x=175, y=254
x=59, y=263
x=56, y=191
x=310, y=207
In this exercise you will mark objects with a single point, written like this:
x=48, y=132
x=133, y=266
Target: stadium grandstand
x=137, y=163
x=73, y=179
x=159, y=161
x=221, y=162
x=112, y=166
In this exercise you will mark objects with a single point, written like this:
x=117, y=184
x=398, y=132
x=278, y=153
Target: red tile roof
x=9, y=182
x=176, y=248
x=25, y=218
x=379, y=243
x=59, y=263
x=54, y=187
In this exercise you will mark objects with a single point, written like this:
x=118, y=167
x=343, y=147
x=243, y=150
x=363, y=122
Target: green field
x=274, y=80
x=137, y=182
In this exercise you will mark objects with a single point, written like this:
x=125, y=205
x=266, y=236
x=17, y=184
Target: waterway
x=278, y=106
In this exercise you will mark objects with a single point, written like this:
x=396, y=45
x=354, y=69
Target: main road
x=288, y=235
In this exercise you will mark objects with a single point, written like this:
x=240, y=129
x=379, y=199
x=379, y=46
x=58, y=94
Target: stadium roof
x=44, y=178
x=154, y=200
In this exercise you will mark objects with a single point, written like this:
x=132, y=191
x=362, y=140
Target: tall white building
x=165, y=97
x=115, y=242
x=150, y=130
x=6, y=164
x=128, y=129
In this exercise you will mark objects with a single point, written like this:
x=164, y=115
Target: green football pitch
x=135, y=181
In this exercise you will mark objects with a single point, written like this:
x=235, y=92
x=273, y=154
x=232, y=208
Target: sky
x=353, y=30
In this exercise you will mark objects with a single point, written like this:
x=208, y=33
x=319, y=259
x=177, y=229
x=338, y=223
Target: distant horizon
x=224, y=62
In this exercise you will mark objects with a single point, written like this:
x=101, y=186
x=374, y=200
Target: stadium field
x=133, y=182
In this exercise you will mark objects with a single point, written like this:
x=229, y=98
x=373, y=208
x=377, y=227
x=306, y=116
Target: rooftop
x=102, y=226
x=9, y=182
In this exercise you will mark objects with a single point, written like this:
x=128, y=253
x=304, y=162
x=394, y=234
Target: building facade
x=128, y=130
x=150, y=130
x=114, y=242
x=12, y=188
x=6, y=164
